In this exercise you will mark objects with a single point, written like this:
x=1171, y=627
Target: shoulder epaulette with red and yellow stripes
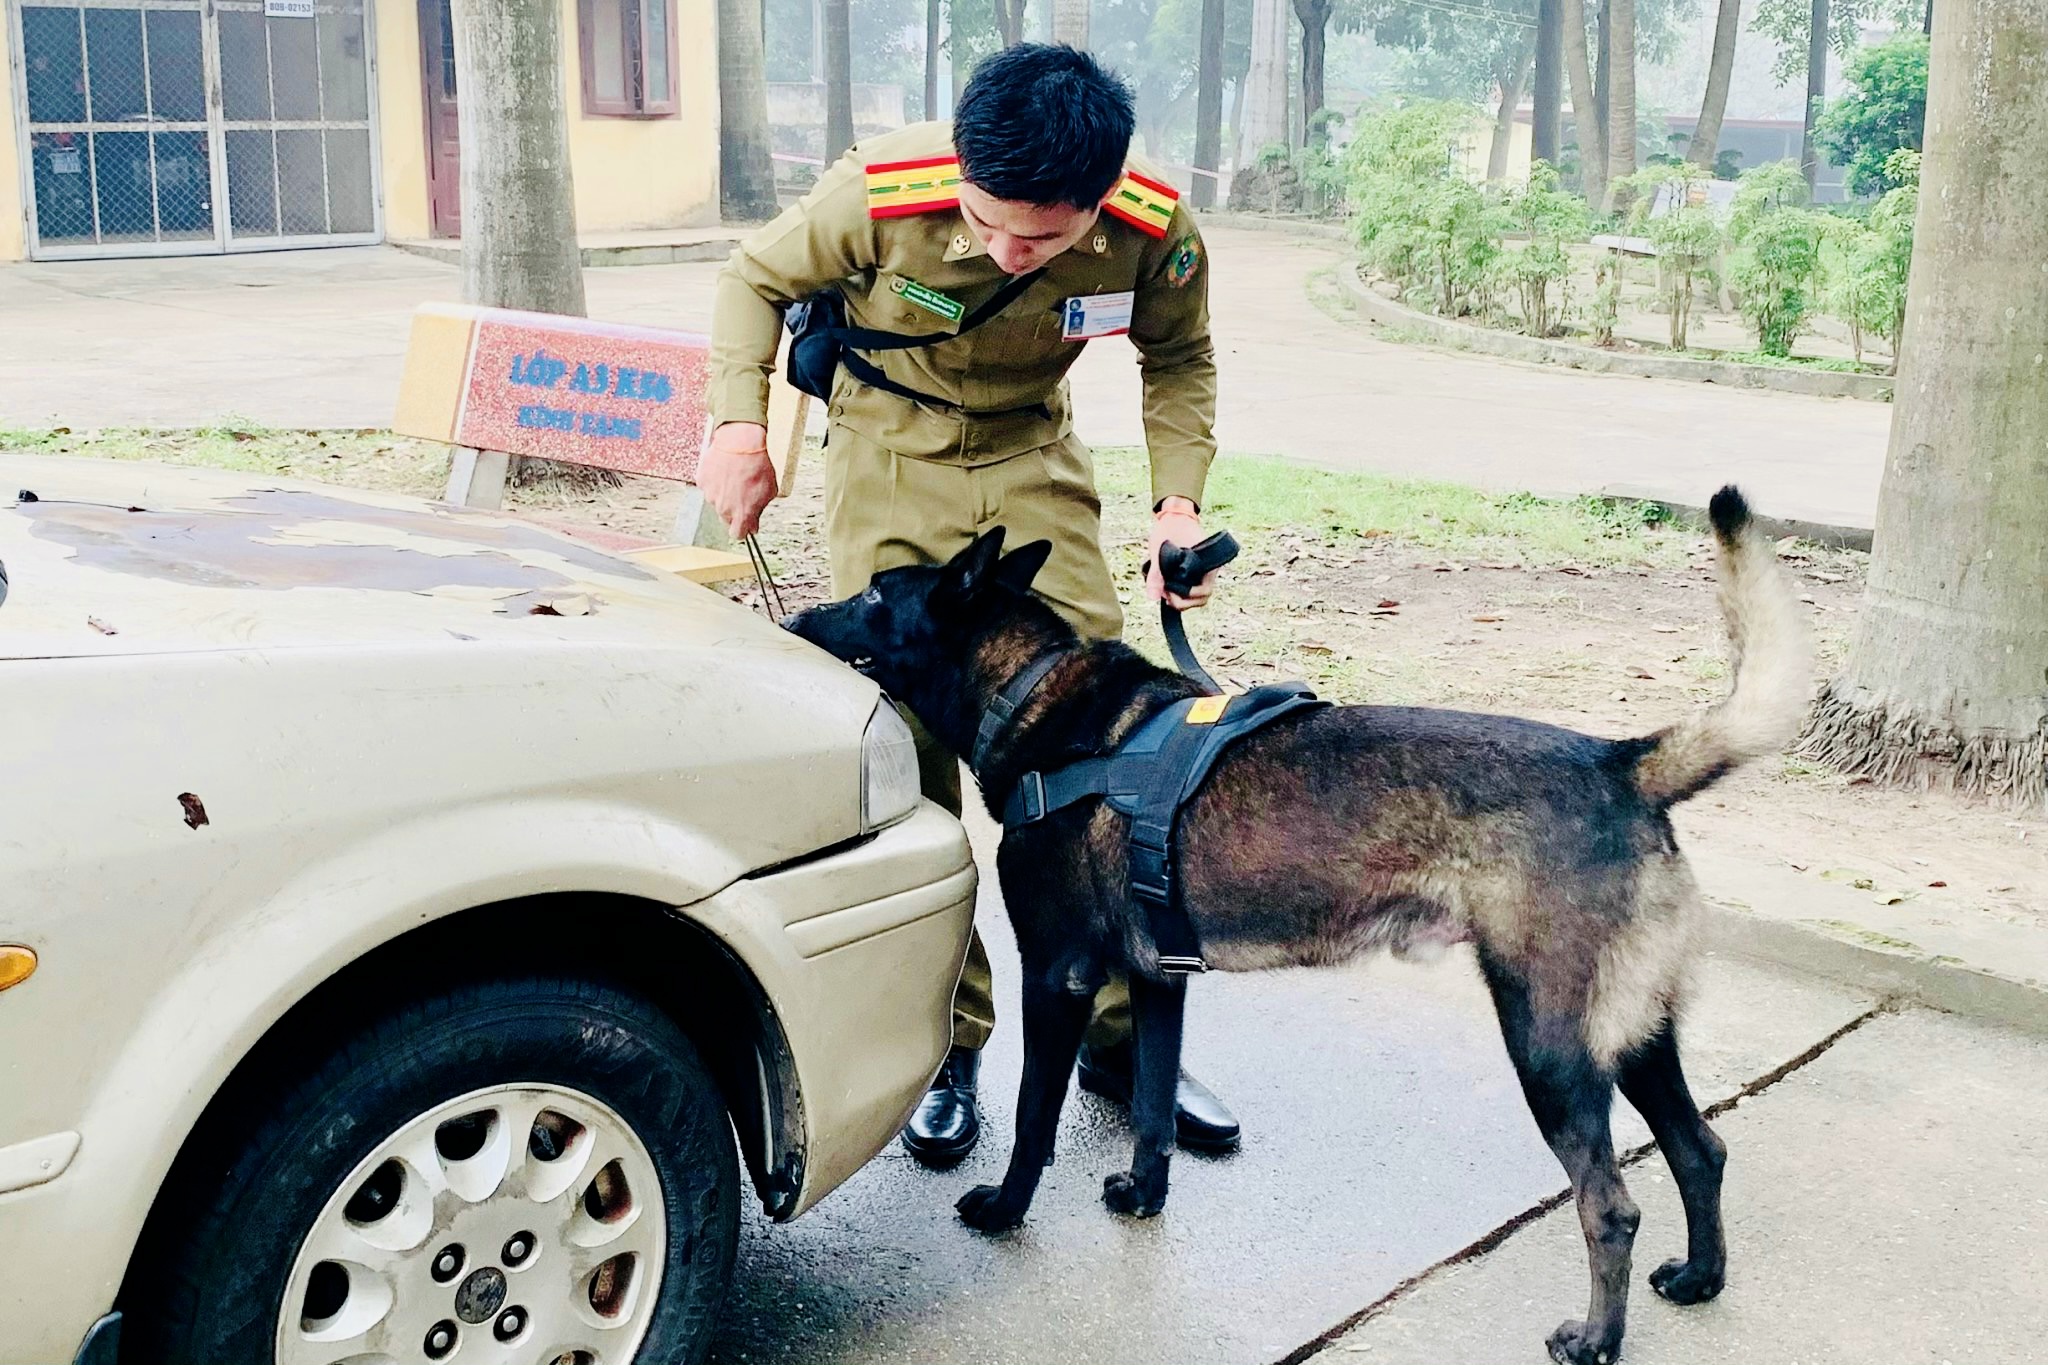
x=897, y=188
x=1144, y=203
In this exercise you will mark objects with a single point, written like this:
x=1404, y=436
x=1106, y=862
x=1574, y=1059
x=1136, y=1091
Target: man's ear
x=1022, y=565
x=974, y=568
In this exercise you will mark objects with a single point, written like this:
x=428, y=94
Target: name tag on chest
x=1097, y=315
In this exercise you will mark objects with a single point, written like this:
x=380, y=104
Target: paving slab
x=1884, y=1203
x=1384, y=1132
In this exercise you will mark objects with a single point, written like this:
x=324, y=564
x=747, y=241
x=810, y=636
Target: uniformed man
x=918, y=229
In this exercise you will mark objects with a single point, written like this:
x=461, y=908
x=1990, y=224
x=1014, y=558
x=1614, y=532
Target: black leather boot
x=1201, y=1122
x=947, y=1123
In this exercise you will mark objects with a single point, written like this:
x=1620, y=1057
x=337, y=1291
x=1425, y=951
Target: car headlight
x=889, y=787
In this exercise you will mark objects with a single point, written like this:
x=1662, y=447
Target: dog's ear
x=1022, y=565
x=973, y=569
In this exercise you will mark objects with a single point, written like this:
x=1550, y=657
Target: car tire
x=253, y=1202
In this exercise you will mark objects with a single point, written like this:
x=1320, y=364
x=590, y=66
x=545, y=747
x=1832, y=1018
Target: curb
x=1835, y=536
x=661, y=253
x=1464, y=336
x=1943, y=985
x=1264, y=222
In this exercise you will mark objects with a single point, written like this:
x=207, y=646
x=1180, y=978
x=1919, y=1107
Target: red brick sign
x=592, y=393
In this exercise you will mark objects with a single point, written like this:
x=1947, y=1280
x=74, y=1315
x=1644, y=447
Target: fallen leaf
x=1892, y=898
x=101, y=626
x=1796, y=867
x=1388, y=604
x=1666, y=630
x=1937, y=884
x=1642, y=673
x=1312, y=647
x=195, y=810
x=1489, y=620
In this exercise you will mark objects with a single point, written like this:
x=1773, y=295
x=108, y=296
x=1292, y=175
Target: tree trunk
x=522, y=253
x=1237, y=123
x=1944, y=683
x=1603, y=70
x=1706, y=134
x=1504, y=121
x=931, y=58
x=1816, y=92
x=1585, y=107
x=1621, y=96
x=838, y=80
x=1208, y=106
x=1010, y=21
x=1548, y=54
x=746, y=154
x=1315, y=37
x=1265, y=114
x=1070, y=22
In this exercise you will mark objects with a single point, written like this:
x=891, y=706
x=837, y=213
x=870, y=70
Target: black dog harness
x=1150, y=777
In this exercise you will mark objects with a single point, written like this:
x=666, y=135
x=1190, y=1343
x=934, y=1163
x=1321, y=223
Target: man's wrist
x=1175, y=505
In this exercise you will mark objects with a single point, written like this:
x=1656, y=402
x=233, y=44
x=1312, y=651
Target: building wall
x=649, y=173
x=629, y=173
x=401, y=120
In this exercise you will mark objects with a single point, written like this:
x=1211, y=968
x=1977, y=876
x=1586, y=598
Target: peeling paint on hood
x=125, y=558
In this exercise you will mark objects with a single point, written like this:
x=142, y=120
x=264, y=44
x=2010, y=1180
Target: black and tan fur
x=1349, y=829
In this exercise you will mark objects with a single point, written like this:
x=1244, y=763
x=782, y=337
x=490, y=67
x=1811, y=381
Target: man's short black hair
x=1043, y=124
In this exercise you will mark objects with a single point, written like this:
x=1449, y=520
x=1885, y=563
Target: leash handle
x=1183, y=567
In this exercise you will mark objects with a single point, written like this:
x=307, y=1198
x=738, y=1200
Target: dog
x=1341, y=830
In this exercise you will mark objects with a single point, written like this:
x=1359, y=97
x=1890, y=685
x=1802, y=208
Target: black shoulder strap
x=1008, y=703
x=870, y=339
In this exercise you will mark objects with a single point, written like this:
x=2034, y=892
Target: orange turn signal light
x=17, y=964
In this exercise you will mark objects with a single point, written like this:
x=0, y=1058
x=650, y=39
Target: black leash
x=1183, y=567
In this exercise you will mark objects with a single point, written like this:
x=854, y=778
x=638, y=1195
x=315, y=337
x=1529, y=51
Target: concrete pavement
x=1871, y=1184
x=316, y=339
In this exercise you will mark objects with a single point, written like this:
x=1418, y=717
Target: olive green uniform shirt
x=1008, y=375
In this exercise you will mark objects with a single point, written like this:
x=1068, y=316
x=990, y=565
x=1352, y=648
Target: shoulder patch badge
x=1144, y=203
x=1184, y=262
x=899, y=188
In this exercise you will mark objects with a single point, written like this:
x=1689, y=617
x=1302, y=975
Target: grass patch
x=1252, y=494
x=360, y=459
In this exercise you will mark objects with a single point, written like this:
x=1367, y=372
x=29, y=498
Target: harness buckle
x=1030, y=798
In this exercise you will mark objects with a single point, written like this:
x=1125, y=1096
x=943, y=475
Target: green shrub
x=1779, y=259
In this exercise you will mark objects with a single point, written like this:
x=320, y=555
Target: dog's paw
x=984, y=1209
x=1576, y=1343
x=1121, y=1193
x=1683, y=1282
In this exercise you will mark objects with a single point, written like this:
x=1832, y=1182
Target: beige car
x=409, y=919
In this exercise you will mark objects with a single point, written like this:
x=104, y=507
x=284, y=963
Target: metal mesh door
x=295, y=110
x=118, y=136
x=161, y=126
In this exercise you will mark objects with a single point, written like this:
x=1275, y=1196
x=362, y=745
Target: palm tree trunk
x=1621, y=99
x=1585, y=106
x=838, y=80
x=1706, y=134
x=746, y=160
x=1548, y=54
x=1943, y=685
x=1209, y=106
x=1315, y=37
x=1265, y=113
x=1816, y=92
x=931, y=58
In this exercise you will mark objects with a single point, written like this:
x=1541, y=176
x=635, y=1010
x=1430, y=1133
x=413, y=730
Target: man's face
x=1023, y=237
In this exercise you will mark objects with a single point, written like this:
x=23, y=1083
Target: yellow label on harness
x=1207, y=710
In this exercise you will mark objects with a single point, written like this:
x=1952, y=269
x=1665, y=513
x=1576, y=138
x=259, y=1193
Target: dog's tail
x=1771, y=659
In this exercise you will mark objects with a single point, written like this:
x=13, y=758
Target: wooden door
x=444, y=126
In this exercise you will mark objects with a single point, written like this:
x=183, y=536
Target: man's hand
x=736, y=476
x=1177, y=522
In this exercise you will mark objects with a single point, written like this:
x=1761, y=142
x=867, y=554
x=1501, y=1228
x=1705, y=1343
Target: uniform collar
x=1098, y=243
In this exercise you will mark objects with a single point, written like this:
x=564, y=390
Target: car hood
x=112, y=558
